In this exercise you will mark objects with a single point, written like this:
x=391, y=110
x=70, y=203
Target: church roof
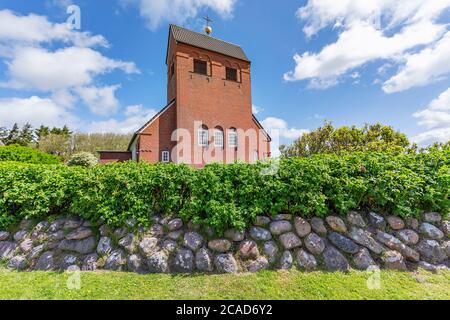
x=207, y=42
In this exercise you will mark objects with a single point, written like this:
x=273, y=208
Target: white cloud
x=431, y=136
x=61, y=62
x=442, y=102
x=64, y=98
x=156, y=12
x=33, y=29
x=36, y=111
x=320, y=14
x=436, y=118
x=136, y=116
x=100, y=100
x=432, y=118
x=438, y=112
x=423, y=67
x=278, y=129
x=277, y=126
x=357, y=46
x=44, y=70
x=368, y=31
x=133, y=110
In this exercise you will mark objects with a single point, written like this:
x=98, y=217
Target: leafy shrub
x=83, y=159
x=224, y=196
x=27, y=155
x=328, y=139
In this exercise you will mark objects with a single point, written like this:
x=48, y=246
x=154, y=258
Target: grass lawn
x=286, y=285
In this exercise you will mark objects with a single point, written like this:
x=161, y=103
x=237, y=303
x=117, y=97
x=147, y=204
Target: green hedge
x=225, y=196
x=27, y=155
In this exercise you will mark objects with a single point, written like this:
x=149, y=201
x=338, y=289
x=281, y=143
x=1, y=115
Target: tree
x=41, y=132
x=94, y=142
x=22, y=137
x=3, y=135
x=66, y=131
x=13, y=135
x=66, y=145
x=26, y=135
x=328, y=139
x=62, y=141
x=55, y=144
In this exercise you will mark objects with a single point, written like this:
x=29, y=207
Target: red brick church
x=208, y=116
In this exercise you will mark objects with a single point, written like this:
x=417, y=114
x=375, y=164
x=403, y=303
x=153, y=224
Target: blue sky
x=355, y=61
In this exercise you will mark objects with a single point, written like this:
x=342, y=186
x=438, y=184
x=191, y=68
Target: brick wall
x=114, y=156
x=208, y=100
x=157, y=136
x=215, y=102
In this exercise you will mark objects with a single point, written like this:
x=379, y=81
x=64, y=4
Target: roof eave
x=168, y=44
x=226, y=55
x=132, y=141
x=139, y=131
x=269, y=138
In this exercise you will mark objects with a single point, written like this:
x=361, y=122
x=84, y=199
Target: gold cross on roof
x=208, y=20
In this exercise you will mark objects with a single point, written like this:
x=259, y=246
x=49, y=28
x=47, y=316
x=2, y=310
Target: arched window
x=218, y=137
x=203, y=136
x=232, y=138
x=255, y=155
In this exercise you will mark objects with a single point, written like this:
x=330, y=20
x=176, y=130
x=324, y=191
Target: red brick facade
x=209, y=101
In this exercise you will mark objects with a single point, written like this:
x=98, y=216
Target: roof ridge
x=206, y=36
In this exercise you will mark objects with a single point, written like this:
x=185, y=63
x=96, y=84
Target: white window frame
x=165, y=157
x=232, y=139
x=219, y=138
x=203, y=137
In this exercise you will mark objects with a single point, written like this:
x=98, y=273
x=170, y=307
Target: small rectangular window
x=203, y=138
x=232, y=139
x=231, y=74
x=165, y=157
x=200, y=66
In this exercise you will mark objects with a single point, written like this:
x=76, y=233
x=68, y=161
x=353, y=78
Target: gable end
x=156, y=116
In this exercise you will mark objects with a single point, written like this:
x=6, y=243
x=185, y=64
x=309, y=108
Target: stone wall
x=357, y=241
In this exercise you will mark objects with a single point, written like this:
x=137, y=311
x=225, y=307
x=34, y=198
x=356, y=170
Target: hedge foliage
x=27, y=155
x=223, y=196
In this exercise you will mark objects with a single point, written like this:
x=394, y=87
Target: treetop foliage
x=63, y=141
x=328, y=139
